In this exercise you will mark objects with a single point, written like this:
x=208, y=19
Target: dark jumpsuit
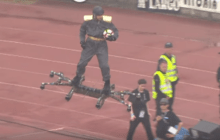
x=95, y=28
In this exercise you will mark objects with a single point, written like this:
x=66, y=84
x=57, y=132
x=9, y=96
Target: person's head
x=169, y=48
x=98, y=13
x=163, y=65
x=164, y=103
x=142, y=84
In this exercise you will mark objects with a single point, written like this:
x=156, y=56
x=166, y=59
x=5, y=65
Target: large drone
x=89, y=91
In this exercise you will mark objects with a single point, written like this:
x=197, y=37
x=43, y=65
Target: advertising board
x=203, y=5
x=159, y=5
x=176, y=5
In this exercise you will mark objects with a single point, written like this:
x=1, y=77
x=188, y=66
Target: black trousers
x=146, y=123
x=158, y=109
x=98, y=48
x=171, y=100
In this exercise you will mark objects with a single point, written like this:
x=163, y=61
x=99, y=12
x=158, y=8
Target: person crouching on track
x=139, y=110
x=94, y=26
x=161, y=86
x=166, y=120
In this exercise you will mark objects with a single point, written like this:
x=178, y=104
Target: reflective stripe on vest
x=165, y=85
x=105, y=18
x=171, y=67
x=88, y=17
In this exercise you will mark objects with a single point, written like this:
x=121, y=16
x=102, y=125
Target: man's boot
x=106, y=90
x=75, y=81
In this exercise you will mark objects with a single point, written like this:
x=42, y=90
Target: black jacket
x=139, y=104
x=157, y=87
x=218, y=75
x=96, y=28
x=169, y=119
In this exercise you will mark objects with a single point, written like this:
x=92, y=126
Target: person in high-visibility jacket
x=172, y=72
x=161, y=86
x=218, y=75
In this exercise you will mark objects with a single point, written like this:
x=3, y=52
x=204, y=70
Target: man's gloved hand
x=111, y=38
x=83, y=44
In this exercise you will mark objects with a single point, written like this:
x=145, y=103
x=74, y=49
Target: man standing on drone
x=94, y=26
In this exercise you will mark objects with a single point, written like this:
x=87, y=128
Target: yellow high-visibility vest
x=105, y=18
x=171, y=67
x=165, y=85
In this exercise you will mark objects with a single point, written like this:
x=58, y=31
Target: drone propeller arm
x=60, y=75
x=119, y=100
x=86, y=89
x=56, y=83
x=89, y=89
x=59, y=81
x=52, y=73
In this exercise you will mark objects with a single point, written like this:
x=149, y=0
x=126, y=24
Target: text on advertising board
x=203, y=5
x=170, y=5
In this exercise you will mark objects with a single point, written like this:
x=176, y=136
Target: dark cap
x=164, y=101
x=98, y=11
x=168, y=45
x=162, y=60
x=142, y=81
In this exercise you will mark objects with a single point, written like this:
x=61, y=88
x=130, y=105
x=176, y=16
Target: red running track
x=37, y=39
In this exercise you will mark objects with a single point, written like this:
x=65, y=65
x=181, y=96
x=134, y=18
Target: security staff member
x=139, y=110
x=161, y=86
x=171, y=72
x=94, y=26
x=218, y=75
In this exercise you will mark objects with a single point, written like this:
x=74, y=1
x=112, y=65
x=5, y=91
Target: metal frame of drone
x=86, y=89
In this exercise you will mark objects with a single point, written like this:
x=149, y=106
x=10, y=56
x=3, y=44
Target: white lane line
x=87, y=81
x=41, y=32
x=88, y=96
x=79, y=112
x=35, y=133
x=60, y=125
x=116, y=56
x=57, y=129
x=71, y=36
x=63, y=108
x=124, y=72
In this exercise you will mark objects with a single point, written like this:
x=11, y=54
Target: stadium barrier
x=204, y=9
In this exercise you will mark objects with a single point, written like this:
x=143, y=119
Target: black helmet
x=97, y=11
x=168, y=45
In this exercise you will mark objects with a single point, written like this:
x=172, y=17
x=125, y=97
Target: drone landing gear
x=70, y=94
x=89, y=91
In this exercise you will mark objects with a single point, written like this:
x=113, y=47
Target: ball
x=107, y=33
